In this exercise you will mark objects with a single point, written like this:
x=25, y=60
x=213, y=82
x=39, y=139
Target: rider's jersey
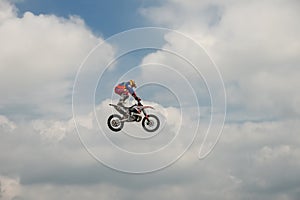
x=126, y=86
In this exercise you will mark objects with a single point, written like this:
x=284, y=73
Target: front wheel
x=114, y=123
x=151, y=123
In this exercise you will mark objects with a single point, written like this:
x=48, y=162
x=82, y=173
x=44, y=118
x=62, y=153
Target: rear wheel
x=114, y=123
x=151, y=123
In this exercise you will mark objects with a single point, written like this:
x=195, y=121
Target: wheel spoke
x=151, y=123
x=114, y=123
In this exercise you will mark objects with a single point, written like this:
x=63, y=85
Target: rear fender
x=119, y=109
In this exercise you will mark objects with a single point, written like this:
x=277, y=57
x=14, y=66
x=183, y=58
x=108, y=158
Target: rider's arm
x=131, y=91
x=136, y=97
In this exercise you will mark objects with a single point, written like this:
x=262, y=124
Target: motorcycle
x=135, y=113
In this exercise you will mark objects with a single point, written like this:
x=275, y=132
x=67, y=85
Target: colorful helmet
x=132, y=83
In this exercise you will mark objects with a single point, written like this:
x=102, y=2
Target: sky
x=223, y=77
x=103, y=17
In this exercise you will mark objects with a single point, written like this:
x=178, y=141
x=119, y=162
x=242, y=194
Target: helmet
x=132, y=83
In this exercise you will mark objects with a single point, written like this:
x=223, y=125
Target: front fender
x=145, y=107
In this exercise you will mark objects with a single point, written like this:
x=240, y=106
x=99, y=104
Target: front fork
x=147, y=117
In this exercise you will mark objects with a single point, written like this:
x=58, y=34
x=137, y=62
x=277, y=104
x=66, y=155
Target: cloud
x=51, y=129
x=7, y=11
x=42, y=158
x=7, y=124
x=9, y=188
x=253, y=159
x=263, y=156
x=258, y=54
x=39, y=58
x=255, y=45
x=47, y=192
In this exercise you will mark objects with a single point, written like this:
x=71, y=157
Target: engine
x=137, y=118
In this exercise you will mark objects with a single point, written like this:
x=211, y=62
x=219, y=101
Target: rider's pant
x=123, y=93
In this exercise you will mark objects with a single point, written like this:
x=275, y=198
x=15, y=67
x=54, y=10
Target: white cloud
x=53, y=130
x=253, y=160
x=256, y=46
x=7, y=11
x=6, y=123
x=9, y=188
x=254, y=43
x=39, y=58
x=269, y=154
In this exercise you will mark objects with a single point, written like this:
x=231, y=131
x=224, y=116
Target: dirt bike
x=135, y=113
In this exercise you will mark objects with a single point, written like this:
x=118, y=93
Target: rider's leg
x=119, y=91
x=124, y=97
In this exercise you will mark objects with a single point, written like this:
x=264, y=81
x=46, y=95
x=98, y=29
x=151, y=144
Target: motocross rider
x=124, y=89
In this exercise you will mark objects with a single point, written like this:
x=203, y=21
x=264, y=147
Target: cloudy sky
x=250, y=46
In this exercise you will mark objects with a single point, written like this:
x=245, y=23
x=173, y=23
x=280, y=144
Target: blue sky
x=252, y=42
x=103, y=17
